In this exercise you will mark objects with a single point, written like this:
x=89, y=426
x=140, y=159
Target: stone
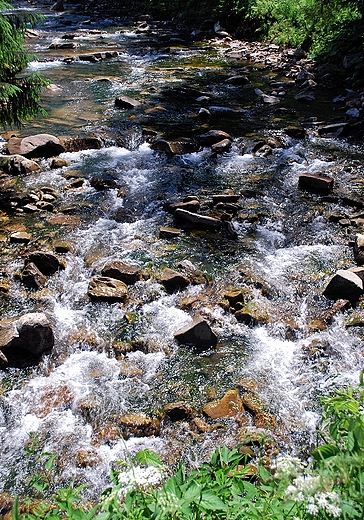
x=103, y=288
x=316, y=183
x=270, y=100
x=18, y=165
x=193, y=206
x=334, y=130
x=251, y=315
x=222, y=146
x=178, y=146
x=127, y=102
x=20, y=238
x=179, y=411
x=198, y=333
x=101, y=184
x=46, y=262
x=265, y=420
x=120, y=271
x=344, y=285
x=173, y=280
x=305, y=96
x=233, y=297
x=138, y=425
x=212, y=137
x=225, y=198
x=198, y=220
x=253, y=403
x=295, y=131
x=237, y=80
x=32, y=277
x=167, y=232
x=358, y=249
x=264, y=151
x=76, y=144
x=40, y=145
x=30, y=334
x=229, y=406
x=58, y=163
x=75, y=184
x=200, y=425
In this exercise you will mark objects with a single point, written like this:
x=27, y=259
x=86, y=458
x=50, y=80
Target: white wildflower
x=287, y=466
x=308, y=485
x=321, y=500
x=139, y=478
x=333, y=510
x=312, y=509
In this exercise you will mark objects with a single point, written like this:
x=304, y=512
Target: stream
x=114, y=359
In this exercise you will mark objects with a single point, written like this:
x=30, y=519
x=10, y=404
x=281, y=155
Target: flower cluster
x=288, y=467
x=308, y=489
x=137, y=477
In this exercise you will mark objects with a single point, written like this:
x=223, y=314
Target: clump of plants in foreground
x=330, y=486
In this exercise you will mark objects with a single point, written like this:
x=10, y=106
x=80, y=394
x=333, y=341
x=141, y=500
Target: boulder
x=179, y=411
x=199, y=220
x=40, y=145
x=295, y=131
x=358, y=249
x=107, y=289
x=18, y=165
x=47, y=263
x=193, y=206
x=32, y=277
x=173, y=281
x=344, y=285
x=229, y=406
x=101, y=184
x=212, y=137
x=138, y=425
x=179, y=146
x=31, y=335
x=334, y=130
x=221, y=146
x=265, y=420
x=76, y=144
x=198, y=333
x=120, y=271
x=237, y=80
x=20, y=238
x=305, y=96
x=127, y=102
x=58, y=163
x=316, y=183
x=270, y=100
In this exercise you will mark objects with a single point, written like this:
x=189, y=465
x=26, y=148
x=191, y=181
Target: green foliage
x=19, y=97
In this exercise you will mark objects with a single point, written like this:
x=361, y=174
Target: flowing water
x=285, y=253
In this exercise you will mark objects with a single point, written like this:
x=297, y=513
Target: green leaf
x=15, y=513
x=50, y=462
x=102, y=516
x=351, y=441
x=193, y=492
x=264, y=473
x=212, y=502
x=148, y=457
x=325, y=452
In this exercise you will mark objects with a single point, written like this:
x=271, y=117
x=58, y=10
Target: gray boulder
x=198, y=333
x=32, y=277
x=25, y=338
x=40, y=145
x=18, y=165
x=127, y=102
x=344, y=285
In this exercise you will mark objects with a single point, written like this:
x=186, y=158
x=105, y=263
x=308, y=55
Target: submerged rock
x=32, y=277
x=27, y=338
x=198, y=220
x=127, y=102
x=198, y=333
x=103, y=288
x=212, y=137
x=138, y=425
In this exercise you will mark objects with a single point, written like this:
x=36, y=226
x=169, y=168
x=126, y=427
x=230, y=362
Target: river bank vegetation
x=328, y=485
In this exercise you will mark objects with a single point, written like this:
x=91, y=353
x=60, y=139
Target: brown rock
x=40, y=145
x=179, y=411
x=344, y=285
x=193, y=206
x=213, y=137
x=198, y=220
x=200, y=425
x=138, y=425
x=321, y=184
x=120, y=271
x=234, y=297
x=76, y=144
x=229, y=406
x=197, y=333
x=32, y=277
x=179, y=146
x=173, y=281
x=58, y=163
x=221, y=146
x=47, y=263
x=20, y=238
x=358, y=249
x=167, y=232
x=265, y=420
x=107, y=289
x=127, y=102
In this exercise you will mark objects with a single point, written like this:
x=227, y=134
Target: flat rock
x=46, y=262
x=179, y=411
x=178, y=146
x=103, y=288
x=76, y=144
x=229, y=406
x=127, y=102
x=237, y=80
x=198, y=220
x=29, y=335
x=120, y=271
x=40, y=145
x=295, y=131
x=305, y=96
x=344, y=285
x=334, y=130
x=18, y=165
x=167, y=232
x=173, y=280
x=21, y=237
x=193, y=206
x=225, y=198
x=270, y=100
x=321, y=184
x=197, y=333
